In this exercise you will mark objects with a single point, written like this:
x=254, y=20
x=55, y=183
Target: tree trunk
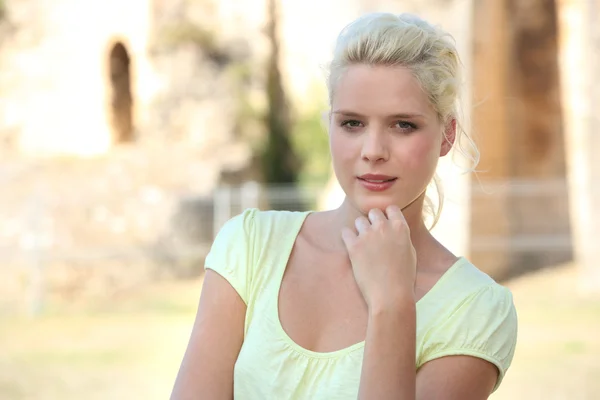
x=279, y=161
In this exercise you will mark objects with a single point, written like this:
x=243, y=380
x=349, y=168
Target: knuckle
x=355, y=246
x=380, y=228
x=393, y=207
x=400, y=225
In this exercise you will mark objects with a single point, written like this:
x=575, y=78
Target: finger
x=348, y=237
x=394, y=213
x=376, y=216
x=362, y=224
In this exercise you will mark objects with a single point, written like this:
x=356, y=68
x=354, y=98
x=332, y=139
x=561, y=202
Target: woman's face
x=385, y=137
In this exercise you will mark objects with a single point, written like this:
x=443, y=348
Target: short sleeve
x=231, y=253
x=484, y=326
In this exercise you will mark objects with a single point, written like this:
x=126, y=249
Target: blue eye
x=406, y=126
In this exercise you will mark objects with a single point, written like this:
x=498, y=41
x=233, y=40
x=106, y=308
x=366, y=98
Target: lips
x=377, y=178
x=376, y=182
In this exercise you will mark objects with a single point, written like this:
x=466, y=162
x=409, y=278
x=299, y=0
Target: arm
x=389, y=359
x=207, y=368
x=456, y=378
x=467, y=355
x=462, y=354
x=391, y=374
x=384, y=265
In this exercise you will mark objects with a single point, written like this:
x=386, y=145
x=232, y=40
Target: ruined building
x=94, y=78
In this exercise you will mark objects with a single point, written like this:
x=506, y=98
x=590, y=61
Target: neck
x=346, y=214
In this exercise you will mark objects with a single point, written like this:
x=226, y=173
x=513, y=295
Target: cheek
x=340, y=146
x=423, y=150
x=342, y=157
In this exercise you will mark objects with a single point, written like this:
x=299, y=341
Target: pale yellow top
x=465, y=313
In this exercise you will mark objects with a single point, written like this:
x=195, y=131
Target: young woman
x=361, y=301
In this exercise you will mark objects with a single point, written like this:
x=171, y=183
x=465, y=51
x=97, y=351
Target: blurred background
x=130, y=131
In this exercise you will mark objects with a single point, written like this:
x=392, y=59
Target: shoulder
x=251, y=226
x=244, y=241
x=256, y=228
x=480, y=320
x=252, y=221
x=476, y=295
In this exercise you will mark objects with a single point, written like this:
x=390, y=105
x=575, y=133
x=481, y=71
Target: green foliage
x=186, y=32
x=279, y=162
x=311, y=142
x=249, y=126
x=2, y=10
x=190, y=33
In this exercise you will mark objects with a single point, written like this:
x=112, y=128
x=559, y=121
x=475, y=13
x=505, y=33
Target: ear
x=449, y=137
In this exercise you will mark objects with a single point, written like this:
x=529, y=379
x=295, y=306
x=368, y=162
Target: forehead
x=380, y=90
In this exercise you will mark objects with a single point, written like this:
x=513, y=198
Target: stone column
x=490, y=119
x=580, y=61
x=520, y=218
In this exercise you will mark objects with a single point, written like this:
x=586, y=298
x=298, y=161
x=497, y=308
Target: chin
x=364, y=205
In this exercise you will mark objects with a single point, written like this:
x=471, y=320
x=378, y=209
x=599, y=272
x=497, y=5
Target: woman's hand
x=382, y=256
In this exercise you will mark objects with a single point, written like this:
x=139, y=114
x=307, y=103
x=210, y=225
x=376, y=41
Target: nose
x=375, y=147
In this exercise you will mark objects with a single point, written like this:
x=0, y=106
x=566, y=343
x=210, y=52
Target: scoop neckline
x=348, y=349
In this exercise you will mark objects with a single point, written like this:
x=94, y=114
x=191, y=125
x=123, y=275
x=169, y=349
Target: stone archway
x=121, y=99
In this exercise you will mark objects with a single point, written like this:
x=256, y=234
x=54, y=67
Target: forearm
x=388, y=370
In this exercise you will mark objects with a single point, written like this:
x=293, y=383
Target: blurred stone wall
x=196, y=77
x=520, y=210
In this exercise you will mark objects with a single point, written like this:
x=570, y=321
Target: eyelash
x=345, y=123
x=410, y=125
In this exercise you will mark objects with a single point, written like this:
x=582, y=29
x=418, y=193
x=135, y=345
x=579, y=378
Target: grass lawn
x=130, y=347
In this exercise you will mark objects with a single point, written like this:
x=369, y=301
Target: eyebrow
x=357, y=115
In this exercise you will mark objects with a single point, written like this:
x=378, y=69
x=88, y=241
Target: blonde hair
x=427, y=51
